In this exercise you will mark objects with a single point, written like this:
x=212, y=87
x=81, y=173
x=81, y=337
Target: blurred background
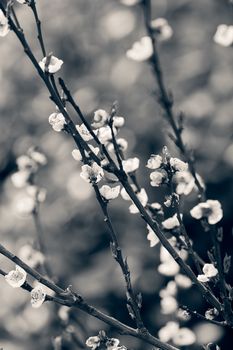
x=91, y=37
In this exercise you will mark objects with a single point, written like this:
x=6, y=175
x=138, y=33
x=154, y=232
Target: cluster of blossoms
x=16, y=279
x=142, y=50
x=102, y=342
x=28, y=165
x=179, y=336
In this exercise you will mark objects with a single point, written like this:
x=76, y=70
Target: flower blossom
x=179, y=336
x=109, y=192
x=211, y=209
x=168, y=305
x=122, y=144
x=118, y=122
x=25, y=205
x=169, y=290
x=152, y=238
x=167, y=332
x=130, y=2
x=92, y=173
x=4, y=26
x=93, y=342
x=38, y=296
x=154, y=162
x=224, y=35
x=143, y=198
x=84, y=132
x=178, y=165
x=141, y=50
x=112, y=344
x=158, y=177
x=76, y=154
x=104, y=134
x=20, y=178
x=125, y=195
x=54, y=64
x=17, y=277
x=162, y=29
x=57, y=120
x=171, y=223
x=184, y=182
x=209, y=272
x=130, y=165
x=100, y=118
x=183, y=281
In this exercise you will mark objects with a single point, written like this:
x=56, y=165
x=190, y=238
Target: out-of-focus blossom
x=54, y=64
x=141, y=50
x=143, y=198
x=209, y=272
x=162, y=29
x=130, y=2
x=25, y=205
x=122, y=144
x=211, y=209
x=154, y=162
x=171, y=223
x=168, y=305
x=158, y=177
x=77, y=155
x=22, y=1
x=4, y=26
x=184, y=182
x=167, y=332
x=178, y=165
x=20, y=178
x=184, y=337
x=183, y=281
x=156, y=206
x=17, y=277
x=25, y=162
x=63, y=313
x=224, y=35
x=104, y=134
x=37, y=193
x=93, y=342
x=130, y=165
x=125, y=195
x=109, y=192
x=118, y=122
x=168, y=268
x=92, y=173
x=84, y=132
x=57, y=120
x=31, y=256
x=37, y=156
x=38, y=296
x=152, y=238
x=100, y=118
x=169, y=290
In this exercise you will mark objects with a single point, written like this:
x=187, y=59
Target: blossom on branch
x=57, y=120
x=224, y=35
x=100, y=118
x=92, y=173
x=51, y=64
x=178, y=165
x=211, y=210
x=17, y=277
x=141, y=50
x=93, y=342
x=84, y=132
x=154, y=162
x=38, y=296
x=163, y=30
x=209, y=272
x=130, y=164
x=171, y=223
x=143, y=198
x=158, y=177
x=152, y=238
x=4, y=26
x=109, y=192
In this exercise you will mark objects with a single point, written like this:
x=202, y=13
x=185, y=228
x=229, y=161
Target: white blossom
x=92, y=172
x=38, y=296
x=168, y=305
x=169, y=290
x=209, y=272
x=17, y=277
x=93, y=342
x=122, y=144
x=118, y=122
x=20, y=178
x=141, y=50
x=109, y=192
x=125, y=195
x=84, y=132
x=4, y=26
x=158, y=177
x=22, y=1
x=178, y=165
x=57, y=120
x=104, y=134
x=154, y=162
x=76, y=154
x=37, y=193
x=171, y=223
x=143, y=198
x=183, y=281
x=184, y=182
x=224, y=35
x=112, y=344
x=167, y=332
x=211, y=209
x=53, y=66
x=31, y=256
x=168, y=268
x=162, y=29
x=25, y=205
x=130, y=165
x=152, y=238
x=38, y=157
x=130, y=2
x=100, y=118
x=25, y=162
x=184, y=337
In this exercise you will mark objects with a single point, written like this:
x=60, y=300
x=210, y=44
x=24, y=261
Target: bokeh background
x=92, y=36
